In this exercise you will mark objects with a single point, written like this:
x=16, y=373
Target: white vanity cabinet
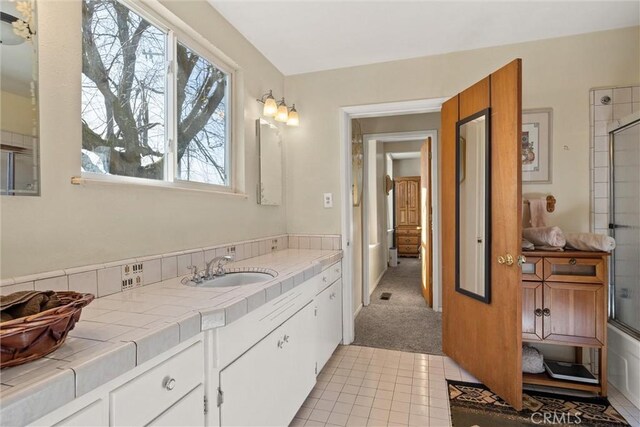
x=94, y=414
x=329, y=322
x=267, y=385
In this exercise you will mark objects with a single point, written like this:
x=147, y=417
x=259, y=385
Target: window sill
x=90, y=179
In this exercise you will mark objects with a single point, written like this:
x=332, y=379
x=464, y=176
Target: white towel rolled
x=545, y=236
x=590, y=242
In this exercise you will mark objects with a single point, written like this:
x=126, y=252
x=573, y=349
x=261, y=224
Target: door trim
x=345, y=114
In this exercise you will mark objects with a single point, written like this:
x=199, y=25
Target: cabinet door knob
x=332, y=296
x=538, y=312
x=337, y=270
x=546, y=312
x=573, y=261
x=324, y=278
x=169, y=383
x=280, y=343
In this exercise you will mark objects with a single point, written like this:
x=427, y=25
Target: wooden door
x=426, y=222
x=532, y=311
x=401, y=202
x=413, y=201
x=486, y=339
x=574, y=313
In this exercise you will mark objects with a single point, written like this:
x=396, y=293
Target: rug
x=475, y=405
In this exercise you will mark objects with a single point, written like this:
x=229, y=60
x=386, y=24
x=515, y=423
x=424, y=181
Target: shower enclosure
x=624, y=223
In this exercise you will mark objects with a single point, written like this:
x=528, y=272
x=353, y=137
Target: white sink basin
x=235, y=279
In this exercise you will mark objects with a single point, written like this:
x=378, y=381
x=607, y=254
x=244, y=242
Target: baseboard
x=378, y=280
x=355, y=314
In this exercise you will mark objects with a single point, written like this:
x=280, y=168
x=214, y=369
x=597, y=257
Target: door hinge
x=316, y=368
x=220, y=397
x=206, y=405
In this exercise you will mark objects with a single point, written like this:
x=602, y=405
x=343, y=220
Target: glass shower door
x=625, y=226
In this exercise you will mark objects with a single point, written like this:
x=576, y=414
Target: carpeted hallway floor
x=403, y=322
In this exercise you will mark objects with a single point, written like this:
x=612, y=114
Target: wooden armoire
x=407, y=211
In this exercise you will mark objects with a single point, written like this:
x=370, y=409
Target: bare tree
x=124, y=74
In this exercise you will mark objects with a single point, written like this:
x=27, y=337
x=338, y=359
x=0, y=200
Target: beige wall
x=402, y=123
x=78, y=225
x=17, y=114
x=557, y=73
x=406, y=167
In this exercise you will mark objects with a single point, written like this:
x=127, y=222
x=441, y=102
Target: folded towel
x=545, y=236
x=590, y=242
x=538, y=209
x=549, y=248
x=532, y=360
x=26, y=303
x=527, y=245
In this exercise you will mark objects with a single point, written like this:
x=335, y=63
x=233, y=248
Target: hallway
x=403, y=322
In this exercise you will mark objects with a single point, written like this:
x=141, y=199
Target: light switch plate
x=328, y=200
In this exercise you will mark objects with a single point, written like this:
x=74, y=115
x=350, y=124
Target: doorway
x=384, y=321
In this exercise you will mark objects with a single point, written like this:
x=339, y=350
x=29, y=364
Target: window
x=152, y=107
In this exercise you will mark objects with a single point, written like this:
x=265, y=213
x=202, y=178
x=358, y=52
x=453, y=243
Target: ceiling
x=313, y=35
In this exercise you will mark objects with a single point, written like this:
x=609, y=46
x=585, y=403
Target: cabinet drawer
x=575, y=270
x=408, y=240
x=335, y=271
x=184, y=413
x=150, y=394
x=405, y=231
x=532, y=270
x=408, y=249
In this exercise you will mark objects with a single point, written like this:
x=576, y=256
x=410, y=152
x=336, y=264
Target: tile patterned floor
x=362, y=386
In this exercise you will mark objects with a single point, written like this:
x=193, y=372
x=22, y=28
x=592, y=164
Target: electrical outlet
x=132, y=276
x=328, y=200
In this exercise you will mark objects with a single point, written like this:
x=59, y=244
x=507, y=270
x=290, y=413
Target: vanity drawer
x=408, y=240
x=575, y=270
x=335, y=271
x=145, y=397
x=532, y=269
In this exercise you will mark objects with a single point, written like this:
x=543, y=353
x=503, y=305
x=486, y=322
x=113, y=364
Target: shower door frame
x=616, y=127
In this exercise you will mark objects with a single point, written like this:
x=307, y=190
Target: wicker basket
x=29, y=338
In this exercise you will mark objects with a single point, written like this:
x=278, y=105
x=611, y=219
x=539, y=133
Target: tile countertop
x=120, y=331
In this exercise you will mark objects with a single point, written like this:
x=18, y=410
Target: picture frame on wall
x=536, y=143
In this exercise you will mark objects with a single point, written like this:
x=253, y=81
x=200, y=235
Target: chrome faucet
x=219, y=263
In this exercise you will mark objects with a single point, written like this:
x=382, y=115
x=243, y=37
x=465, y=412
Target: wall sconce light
x=279, y=111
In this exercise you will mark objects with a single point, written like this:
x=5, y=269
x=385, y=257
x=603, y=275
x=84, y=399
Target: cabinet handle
x=337, y=270
x=332, y=296
x=169, y=383
x=538, y=312
x=573, y=261
x=546, y=312
x=324, y=279
x=286, y=338
x=280, y=343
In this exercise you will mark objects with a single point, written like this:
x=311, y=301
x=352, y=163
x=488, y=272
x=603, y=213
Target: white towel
x=545, y=236
x=590, y=242
x=538, y=209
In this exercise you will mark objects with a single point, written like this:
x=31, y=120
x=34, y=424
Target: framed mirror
x=270, y=151
x=19, y=136
x=473, y=206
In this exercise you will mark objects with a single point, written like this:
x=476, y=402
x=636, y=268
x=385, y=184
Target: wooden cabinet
x=407, y=212
x=564, y=302
x=268, y=383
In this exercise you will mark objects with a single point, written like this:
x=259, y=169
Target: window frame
x=177, y=31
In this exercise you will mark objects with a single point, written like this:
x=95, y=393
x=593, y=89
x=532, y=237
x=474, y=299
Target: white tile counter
x=118, y=332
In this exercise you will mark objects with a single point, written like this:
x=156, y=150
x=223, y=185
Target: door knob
x=505, y=259
x=538, y=312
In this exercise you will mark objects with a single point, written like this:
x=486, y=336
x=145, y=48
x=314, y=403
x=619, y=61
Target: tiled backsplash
x=106, y=279
x=606, y=105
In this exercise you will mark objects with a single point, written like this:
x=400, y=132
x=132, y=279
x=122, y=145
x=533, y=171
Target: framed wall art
x=536, y=146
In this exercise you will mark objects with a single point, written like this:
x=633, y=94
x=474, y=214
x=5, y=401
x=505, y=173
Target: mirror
x=473, y=205
x=270, y=147
x=19, y=136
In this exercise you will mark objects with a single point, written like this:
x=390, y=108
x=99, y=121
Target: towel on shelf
x=532, y=360
x=545, y=236
x=527, y=245
x=538, y=211
x=590, y=242
x=26, y=303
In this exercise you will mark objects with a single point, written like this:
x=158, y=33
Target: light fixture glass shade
x=294, y=119
x=270, y=107
x=283, y=112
